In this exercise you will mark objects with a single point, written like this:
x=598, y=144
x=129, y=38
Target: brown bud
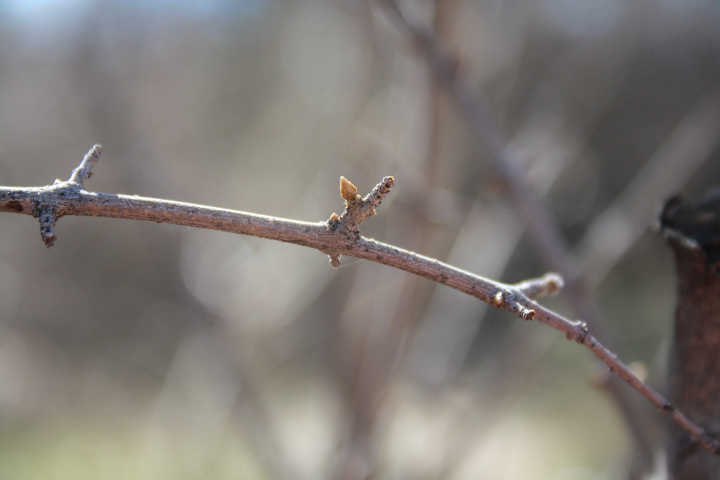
x=348, y=191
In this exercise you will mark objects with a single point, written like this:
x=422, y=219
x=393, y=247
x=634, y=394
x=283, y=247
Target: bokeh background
x=137, y=350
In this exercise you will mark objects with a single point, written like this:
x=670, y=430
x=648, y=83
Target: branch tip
x=379, y=191
x=47, y=220
x=84, y=170
x=534, y=288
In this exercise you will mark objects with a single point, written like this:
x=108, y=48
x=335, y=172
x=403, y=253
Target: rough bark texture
x=693, y=231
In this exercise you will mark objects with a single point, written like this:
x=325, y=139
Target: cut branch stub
x=357, y=209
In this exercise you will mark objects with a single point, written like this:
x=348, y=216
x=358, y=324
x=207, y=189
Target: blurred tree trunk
x=693, y=231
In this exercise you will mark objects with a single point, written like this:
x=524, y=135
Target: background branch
x=541, y=226
x=615, y=229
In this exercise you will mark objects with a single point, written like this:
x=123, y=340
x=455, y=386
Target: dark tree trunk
x=693, y=231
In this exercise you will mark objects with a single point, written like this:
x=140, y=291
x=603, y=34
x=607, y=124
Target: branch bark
x=334, y=237
x=693, y=232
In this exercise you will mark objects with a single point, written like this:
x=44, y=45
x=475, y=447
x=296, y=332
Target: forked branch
x=337, y=236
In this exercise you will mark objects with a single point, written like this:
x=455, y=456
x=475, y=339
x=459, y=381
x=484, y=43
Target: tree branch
x=334, y=236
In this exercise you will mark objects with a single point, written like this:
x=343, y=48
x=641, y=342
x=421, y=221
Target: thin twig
x=66, y=198
x=84, y=170
x=548, y=284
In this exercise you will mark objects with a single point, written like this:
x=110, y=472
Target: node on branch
x=357, y=209
x=48, y=211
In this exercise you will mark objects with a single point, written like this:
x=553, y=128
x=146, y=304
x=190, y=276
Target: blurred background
x=138, y=350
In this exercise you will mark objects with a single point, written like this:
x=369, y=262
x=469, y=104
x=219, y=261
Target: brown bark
x=693, y=231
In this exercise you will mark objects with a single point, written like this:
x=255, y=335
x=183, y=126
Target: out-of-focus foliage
x=136, y=350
